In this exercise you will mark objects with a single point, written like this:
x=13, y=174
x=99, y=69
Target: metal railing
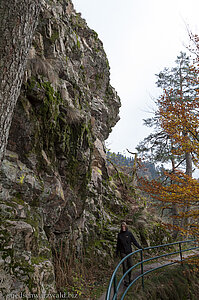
x=113, y=281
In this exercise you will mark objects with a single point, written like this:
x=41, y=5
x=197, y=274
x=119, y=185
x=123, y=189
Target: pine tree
x=177, y=114
x=179, y=85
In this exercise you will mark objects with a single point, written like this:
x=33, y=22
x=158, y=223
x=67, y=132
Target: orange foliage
x=183, y=191
x=179, y=118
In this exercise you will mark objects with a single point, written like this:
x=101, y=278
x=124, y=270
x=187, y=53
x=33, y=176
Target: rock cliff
x=54, y=197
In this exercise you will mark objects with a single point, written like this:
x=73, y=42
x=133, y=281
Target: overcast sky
x=140, y=38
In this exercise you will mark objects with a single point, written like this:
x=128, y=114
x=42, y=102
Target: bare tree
x=18, y=20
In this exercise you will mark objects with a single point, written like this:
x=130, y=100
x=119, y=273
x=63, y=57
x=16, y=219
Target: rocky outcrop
x=54, y=196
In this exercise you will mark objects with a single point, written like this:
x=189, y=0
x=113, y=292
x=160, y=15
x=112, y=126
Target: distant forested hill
x=146, y=169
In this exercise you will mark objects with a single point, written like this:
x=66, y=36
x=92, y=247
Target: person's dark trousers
x=127, y=264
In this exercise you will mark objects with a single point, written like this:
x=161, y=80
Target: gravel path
x=136, y=273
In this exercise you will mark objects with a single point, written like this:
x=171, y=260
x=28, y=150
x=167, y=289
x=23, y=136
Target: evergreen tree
x=180, y=83
x=177, y=118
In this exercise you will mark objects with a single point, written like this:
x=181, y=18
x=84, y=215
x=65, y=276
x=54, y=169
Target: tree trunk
x=186, y=208
x=18, y=20
x=188, y=159
x=174, y=208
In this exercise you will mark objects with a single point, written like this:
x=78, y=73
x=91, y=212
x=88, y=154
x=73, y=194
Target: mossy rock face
x=55, y=196
x=51, y=192
x=21, y=233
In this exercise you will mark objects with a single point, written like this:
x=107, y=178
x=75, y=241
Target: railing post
x=142, y=269
x=180, y=251
x=115, y=286
x=195, y=241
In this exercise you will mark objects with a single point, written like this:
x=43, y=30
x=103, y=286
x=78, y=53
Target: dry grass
x=176, y=283
x=85, y=275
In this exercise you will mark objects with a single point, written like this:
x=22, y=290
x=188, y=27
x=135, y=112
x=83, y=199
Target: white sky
x=140, y=38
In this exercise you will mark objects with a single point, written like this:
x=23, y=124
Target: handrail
x=114, y=274
x=113, y=280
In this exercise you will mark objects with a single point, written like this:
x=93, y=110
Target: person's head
x=123, y=226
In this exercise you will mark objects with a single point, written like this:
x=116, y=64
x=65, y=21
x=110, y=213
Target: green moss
x=33, y=220
x=100, y=243
x=5, y=237
x=8, y=252
x=54, y=36
x=57, y=135
x=21, y=179
x=99, y=76
x=32, y=82
x=95, y=35
x=107, y=63
x=48, y=115
x=77, y=22
x=36, y=260
x=78, y=42
x=99, y=79
x=109, y=92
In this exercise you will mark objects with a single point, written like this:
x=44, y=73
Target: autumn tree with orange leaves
x=178, y=118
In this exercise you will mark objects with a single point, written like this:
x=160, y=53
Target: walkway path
x=136, y=273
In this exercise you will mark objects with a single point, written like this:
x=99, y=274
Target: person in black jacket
x=124, y=240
